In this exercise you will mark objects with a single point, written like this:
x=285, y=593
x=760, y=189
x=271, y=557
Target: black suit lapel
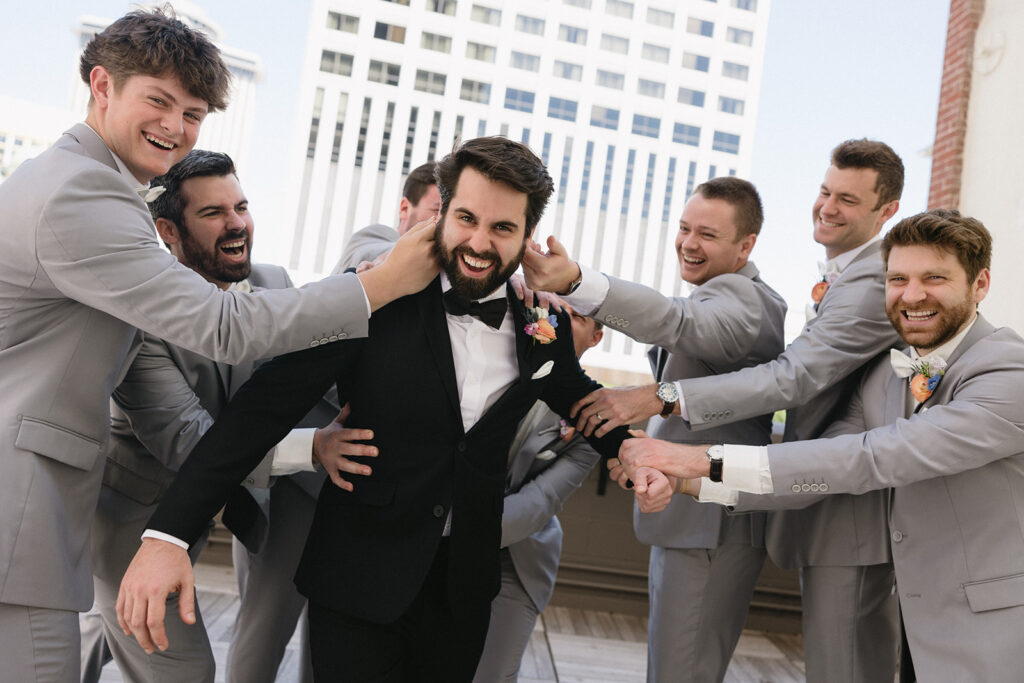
x=524, y=343
x=434, y=324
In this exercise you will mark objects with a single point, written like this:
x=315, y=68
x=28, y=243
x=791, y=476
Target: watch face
x=667, y=392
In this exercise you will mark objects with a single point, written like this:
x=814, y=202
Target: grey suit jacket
x=733, y=321
x=365, y=245
x=80, y=268
x=957, y=518
x=813, y=379
x=537, y=490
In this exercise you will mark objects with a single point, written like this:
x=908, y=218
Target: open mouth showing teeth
x=693, y=261
x=828, y=224
x=158, y=143
x=233, y=248
x=475, y=265
x=918, y=316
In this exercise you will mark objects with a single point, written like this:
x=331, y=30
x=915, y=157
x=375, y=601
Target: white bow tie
x=905, y=366
x=828, y=271
x=149, y=194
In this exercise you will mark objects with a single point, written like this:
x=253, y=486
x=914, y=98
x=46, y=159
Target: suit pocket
x=58, y=443
x=991, y=594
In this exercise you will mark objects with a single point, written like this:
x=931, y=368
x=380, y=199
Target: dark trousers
x=430, y=642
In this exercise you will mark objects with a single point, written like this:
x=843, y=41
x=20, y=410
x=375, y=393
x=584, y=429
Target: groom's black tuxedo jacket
x=369, y=550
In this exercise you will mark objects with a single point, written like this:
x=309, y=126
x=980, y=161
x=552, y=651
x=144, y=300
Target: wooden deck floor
x=568, y=645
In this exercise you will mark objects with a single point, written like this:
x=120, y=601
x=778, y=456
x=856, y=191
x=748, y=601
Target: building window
x=739, y=36
x=619, y=8
x=521, y=60
x=686, y=135
x=660, y=17
x=650, y=88
x=385, y=141
x=336, y=63
x=486, y=15
x=749, y=5
x=572, y=72
x=696, y=62
x=700, y=27
x=610, y=79
x=396, y=34
x=562, y=109
x=694, y=98
x=588, y=163
x=484, y=53
x=436, y=42
x=382, y=72
x=442, y=7
x=399, y=2
x=428, y=81
x=314, y=124
x=726, y=142
x=730, y=105
x=585, y=4
x=410, y=137
x=646, y=125
x=614, y=44
x=655, y=53
x=519, y=100
x=342, y=22
x=603, y=117
x=738, y=71
x=572, y=34
x=529, y=25
x=475, y=91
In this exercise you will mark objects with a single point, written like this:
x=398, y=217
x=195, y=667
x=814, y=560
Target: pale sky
x=833, y=70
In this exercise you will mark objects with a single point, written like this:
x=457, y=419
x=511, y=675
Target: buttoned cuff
x=294, y=453
x=161, y=536
x=717, y=492
x=591, y=293
x=745, y=468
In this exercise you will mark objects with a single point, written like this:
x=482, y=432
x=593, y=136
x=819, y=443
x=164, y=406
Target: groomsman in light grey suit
x=80, y=269
x=704, y=564
x=839, y=545
x=548, y=460
x=945, y=419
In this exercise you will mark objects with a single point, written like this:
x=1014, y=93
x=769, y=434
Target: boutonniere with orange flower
x=566, y=431
x=540, y=325
x=819, y=289
x=928, y=373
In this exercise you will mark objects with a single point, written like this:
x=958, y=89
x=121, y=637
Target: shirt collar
x=121, y=167
x=846, y=258
x=497, y=293
x=241, y=286
x=947, y=349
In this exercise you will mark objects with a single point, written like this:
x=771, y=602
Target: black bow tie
x=491, y=312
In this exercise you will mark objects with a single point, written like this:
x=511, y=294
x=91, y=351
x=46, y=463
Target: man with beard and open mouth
x=400, y=570
x=942, y=423
x=168, y=398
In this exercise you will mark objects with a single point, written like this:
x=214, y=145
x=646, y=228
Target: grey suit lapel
x=93, y=144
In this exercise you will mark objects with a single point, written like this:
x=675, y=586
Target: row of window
x=533, y=25
x=383, y=72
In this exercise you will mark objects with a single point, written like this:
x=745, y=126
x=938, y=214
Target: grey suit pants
x=38, y=644
x=271, y=606
x=699, y=600
x=513, y=616
x=119, y=523
x=850, y=623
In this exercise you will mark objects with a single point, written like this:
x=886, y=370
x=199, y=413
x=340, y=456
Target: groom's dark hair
x=155, y=43
x=196, y=164
x=501, y=160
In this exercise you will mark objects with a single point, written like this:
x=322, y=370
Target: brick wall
x=955, y=91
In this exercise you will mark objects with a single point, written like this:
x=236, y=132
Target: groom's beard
x=467, y=287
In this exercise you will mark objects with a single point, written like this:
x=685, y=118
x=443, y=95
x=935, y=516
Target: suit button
x=324, y=340
x=805, y=487
x=334, y=338
x=438, y=511
x=707, y=416
x=315, y=342
x=795, y=488
x=897, y=536
x=343, y=335
x=824, y=488
x=728, y=413
x=250, y=481
x=461, y=447
x=815, y=488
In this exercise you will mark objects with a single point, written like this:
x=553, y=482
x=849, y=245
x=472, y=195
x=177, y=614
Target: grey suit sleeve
x=982, y=422
x=846, y=335
x=365, y=245
x=719, y=323
x=528, y=510
x=96, y=243
x=161, y=407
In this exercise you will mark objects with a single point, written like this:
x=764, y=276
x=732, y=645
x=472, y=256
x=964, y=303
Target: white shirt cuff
x=717, y=492
x=591, y=293
x=369, y=311
x=682, y=400
x=745, y=468
x=161, y=536
x=294, y=453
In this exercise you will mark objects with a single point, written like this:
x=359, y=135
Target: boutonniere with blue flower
x=929, y=371
x=540, y=325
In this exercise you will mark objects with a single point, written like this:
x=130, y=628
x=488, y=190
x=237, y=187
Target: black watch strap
x=715, y=455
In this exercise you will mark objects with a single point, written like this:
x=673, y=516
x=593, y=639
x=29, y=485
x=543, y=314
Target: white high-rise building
x=229, y=131
x=630, y=105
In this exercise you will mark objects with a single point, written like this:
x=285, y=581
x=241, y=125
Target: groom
x=400, y=571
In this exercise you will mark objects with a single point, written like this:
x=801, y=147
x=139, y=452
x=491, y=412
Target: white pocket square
x=544, y=370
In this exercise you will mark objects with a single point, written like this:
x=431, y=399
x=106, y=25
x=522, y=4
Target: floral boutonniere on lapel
x=928, y=373
x=566, y=431
x=540, y=325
